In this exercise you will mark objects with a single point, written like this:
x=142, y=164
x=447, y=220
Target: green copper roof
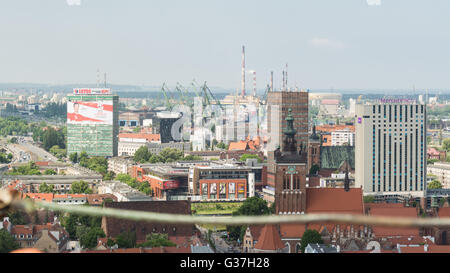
x=331, y=157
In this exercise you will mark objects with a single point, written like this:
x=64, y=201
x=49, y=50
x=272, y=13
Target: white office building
x=390, y=152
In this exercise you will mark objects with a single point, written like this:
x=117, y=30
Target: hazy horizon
x=328, y=45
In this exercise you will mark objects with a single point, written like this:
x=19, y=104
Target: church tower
x=287, y=170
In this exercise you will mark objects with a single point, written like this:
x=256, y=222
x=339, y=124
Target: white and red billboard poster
x=96, y=91
x=90, y=112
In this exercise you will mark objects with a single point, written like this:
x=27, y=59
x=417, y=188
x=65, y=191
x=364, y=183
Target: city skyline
x=351, y=45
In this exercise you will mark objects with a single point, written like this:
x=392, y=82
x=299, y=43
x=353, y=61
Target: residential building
x=441, y=172
x=391, y=148
x=120, y=165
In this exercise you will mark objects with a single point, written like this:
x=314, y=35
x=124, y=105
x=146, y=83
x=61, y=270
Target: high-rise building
x=391, y=148
x=92, y=122
x=282, y=101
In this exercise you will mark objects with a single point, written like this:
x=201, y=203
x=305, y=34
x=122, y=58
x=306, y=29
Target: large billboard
x=90, y=112
x=94, y=91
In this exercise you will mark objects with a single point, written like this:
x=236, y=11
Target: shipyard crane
x=208, y=97
x=165, y=91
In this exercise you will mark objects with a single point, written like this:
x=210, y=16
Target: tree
x=89, y=238
x=7, y=242
x=369, y=199
x=80, y=187
x=446, y=144
x=74, y=157
x=17, y=218
x=253, y=206
x=244, y=157
x=157, y=240
x=50, y=172
x=310, y=237
x=142, y=155
x=435, y=184
x=45, y=188
x=314, y=169
x=126, y=239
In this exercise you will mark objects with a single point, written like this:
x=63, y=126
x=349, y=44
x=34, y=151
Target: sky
x=345, y=44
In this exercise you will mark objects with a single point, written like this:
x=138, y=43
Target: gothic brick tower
x=287, y=172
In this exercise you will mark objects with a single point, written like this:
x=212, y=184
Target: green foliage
x=110, y=242
x=310, y=237
x=252, y=206
x=431, y=161
x=97, y=163
x=50, y=172
x=435, y=184
x=222, y=145
x=89, y=238
x=79, y=225
x=446, y=144
x=142, y=154
x=58, y=152
x=126, y=240
x=157, y=240
x=314, y=169
x=29, y=169
x=54, y=110
x=7, y=242
x=17, y=218
x=52, y=137
x=369, y=199
x=13, y=140
x=80, y=187
x=45, y=188
x=74, y=157
x=5, y=158
x=244, y=157
x=132, y=182
x=13, y=126
x=192, y=158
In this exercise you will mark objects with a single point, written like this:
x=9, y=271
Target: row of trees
x=167, y=155
x=13, y=126
x=5, y=158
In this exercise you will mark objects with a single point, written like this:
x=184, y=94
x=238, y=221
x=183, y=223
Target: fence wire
x=9, y=201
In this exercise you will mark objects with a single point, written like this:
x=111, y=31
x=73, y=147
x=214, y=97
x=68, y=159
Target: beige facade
x=390, y=149
x=442, y=172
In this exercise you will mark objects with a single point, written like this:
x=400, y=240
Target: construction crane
x=165, y=91
x=208, y=97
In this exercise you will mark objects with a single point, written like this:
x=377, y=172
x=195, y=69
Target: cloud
x=73, y=2
x=324, y=42
x=374, y=2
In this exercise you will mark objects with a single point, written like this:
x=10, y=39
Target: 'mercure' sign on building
x=92, y=91
x=402, y=101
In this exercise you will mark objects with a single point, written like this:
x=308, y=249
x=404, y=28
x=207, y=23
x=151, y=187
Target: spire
x=290, y=144
x=346, y=180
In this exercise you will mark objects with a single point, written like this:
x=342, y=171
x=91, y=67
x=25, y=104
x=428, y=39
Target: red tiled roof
x=269, y=239
x=255, y=230
x=48, y=197
x=69, y=195
x=394, y=212
x=384, y=205
x=41, y=163
x=238, y=146
x=148, y=137
x=292, y=230
x=335, y=200
x=22, y=229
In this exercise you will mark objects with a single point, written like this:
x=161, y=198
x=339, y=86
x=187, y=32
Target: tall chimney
x=286, y=80
x=243, y=72
x=271, y=81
